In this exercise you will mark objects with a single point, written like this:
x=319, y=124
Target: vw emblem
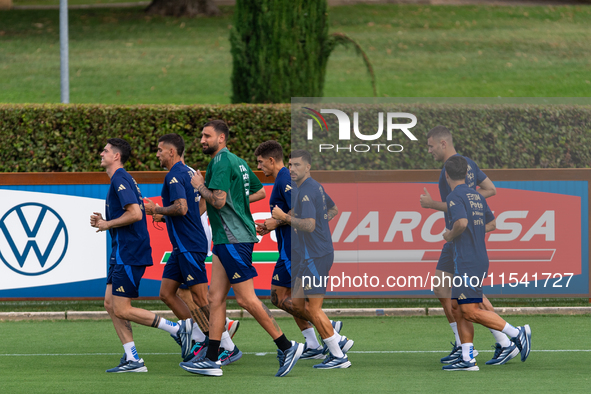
x=33, y=239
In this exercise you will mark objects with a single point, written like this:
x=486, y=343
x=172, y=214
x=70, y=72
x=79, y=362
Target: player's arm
x=332, y=212
x=177, y=208
x=259, y=195
x=216, y=198
x=202, y=206
x=457, y=229
x=487, y=188
x=491, y=223
x=306, y=225
x=132, y=214
x=491, y=226
x=428, y=202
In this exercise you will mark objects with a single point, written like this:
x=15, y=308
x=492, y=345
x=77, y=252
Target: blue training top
x=186, y=232
x=469, y=247
x=312, y=202
x=281, y=197
x=130, y=244
x=474, y=177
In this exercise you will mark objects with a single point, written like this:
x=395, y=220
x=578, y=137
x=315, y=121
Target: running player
x=470, y=218
x=309, y=219
x=441, y=147
x=130, y=255
x=269, y=157
x=229, y=187
x=186, y=264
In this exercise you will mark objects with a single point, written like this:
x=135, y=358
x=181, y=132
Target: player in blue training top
x=269, y=157
x=440, y=143
x=186, y=264
x=130, y=255
x=309, y=219
x=470, y=218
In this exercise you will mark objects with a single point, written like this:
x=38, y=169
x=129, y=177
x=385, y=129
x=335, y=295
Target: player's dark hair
x=270, y=149
x=122, y=147
x=175, y=140
x=440, y=133
x=219, y=126
x=456, y=167
x=304, y=154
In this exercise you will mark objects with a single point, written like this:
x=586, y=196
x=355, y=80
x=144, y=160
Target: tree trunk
x=178, y=8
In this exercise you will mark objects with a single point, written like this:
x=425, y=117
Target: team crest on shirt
x=121, y=187
x=305, y=198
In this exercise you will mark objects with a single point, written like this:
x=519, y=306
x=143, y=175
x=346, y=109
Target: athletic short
x=125, y=279
x=313, y=272
x=187, y=268
x=467, y=285
x=446, y=259
x=282, y=274
x=236, y=260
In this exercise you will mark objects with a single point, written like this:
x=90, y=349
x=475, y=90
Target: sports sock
x=333, y=345
x=510, y=330
x=197, y=335
x=213, y=350
x=130, y=352
x=500, y=338
x=467, y=351
x=226, y=342
x=454, y=328
x=311, y=340
x=282, y=343
x=166, y=325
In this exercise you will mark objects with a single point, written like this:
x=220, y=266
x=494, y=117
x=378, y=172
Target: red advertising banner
x=385, y=242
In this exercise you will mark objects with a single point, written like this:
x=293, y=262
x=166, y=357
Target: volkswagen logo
x=33, y=239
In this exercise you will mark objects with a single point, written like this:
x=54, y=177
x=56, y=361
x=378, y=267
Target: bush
x=42, y=138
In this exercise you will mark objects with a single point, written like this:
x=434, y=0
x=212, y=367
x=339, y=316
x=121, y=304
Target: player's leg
x=168, y=295
x=467, y=361
x=218, y=291
x=504, y=348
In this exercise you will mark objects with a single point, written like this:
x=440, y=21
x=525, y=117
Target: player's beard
x=210, y=149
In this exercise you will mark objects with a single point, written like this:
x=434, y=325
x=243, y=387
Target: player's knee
x=441, y=292
x=470, y=315
x=108, y=306
x=245, y=302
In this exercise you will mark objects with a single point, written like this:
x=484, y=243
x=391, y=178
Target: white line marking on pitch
x=273, y=353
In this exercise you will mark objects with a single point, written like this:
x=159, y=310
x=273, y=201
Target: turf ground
x=390, y=355
x=122, y=56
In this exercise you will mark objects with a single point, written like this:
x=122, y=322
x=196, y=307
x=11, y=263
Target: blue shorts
x=313, y=273
x=446, y=259
x=282, y=274
x=125, y=279
x=236, y=260
x=187, y=268
x=467, y=285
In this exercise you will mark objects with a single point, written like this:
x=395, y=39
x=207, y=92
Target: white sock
x=197, y=335
x=454, y=328
x=333, y=345
x=130, y=352
x=338, y=335
x=500, y=338
x=311, y=340
x=510, y=330
x=226, y=342
x=467, y=351
x=168, y=326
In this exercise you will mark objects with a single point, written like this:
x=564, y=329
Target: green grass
x=70, y=2
x=71, y=356
x=378, y=303
x=121, y=56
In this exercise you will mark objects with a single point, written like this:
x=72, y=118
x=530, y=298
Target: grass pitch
x=122, y=56
x=390, y=355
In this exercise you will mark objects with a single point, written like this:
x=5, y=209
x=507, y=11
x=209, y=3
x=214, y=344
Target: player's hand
x=426, y=200
x=278, y=213
x=94, y=218
x=197, y=179
x=149, y=206
x=261, y=229
x=271, y=224
x=447, y=235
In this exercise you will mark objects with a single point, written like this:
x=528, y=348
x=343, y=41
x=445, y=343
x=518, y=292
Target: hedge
x=41, y=138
